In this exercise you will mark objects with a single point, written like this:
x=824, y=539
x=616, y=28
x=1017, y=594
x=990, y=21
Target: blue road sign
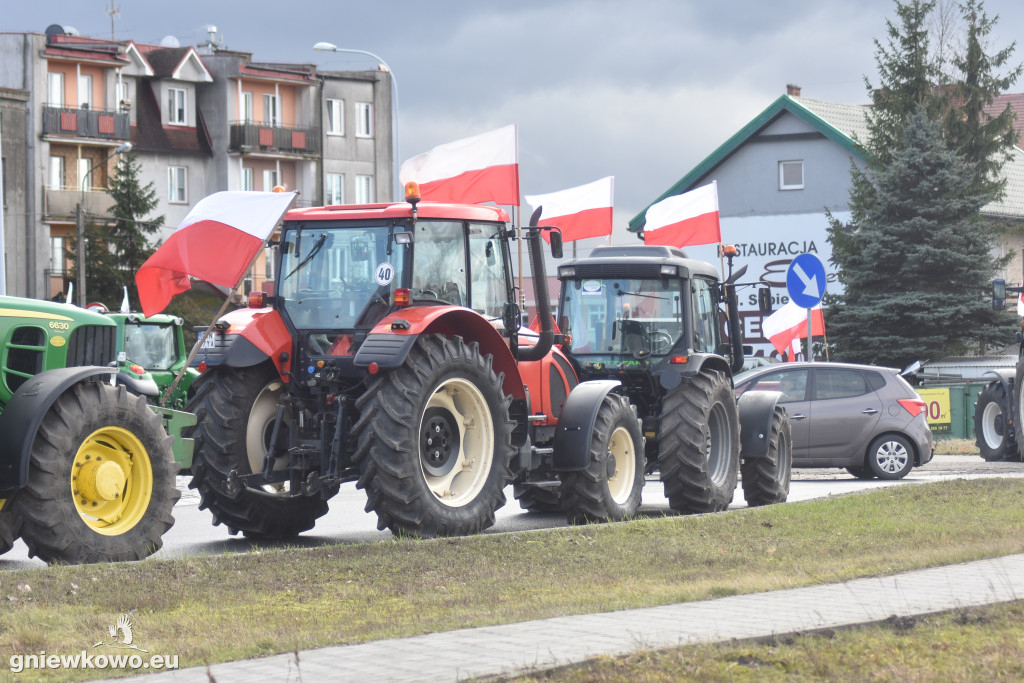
x=805, y=280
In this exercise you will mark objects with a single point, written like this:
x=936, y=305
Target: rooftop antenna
x=212, y=30
x=114, y=12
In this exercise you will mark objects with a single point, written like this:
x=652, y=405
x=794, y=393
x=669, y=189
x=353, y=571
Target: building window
x=269, y=179
x=334, y=192
x=791, y=175
x=121, y=95
x=176, y=106
x=56, y=255
x=85, y=182
x=85, y=91
x=247, y=181
x=55, y=89
x=177, y=184
x=335, y=117
x=245, y=113
x=56, y=173
x=271, y=114
x=364, y=189
x=364, y=120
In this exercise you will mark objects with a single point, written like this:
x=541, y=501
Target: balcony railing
x=59, y=203
x=254, y=137
x=86, y=123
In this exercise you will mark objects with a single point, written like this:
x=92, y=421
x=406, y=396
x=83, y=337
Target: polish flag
x=686, y=219
x=483, y=168
x=789, y=323
x=1020, y=304
x=216, y=242
x=584, y=211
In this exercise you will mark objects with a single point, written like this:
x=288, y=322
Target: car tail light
x=914, y=406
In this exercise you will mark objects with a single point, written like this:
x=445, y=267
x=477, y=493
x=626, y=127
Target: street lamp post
x=331, y=47
x=80, y=223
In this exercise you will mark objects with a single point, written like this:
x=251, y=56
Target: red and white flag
x=216, y=242
x=1020, y=304
x=584, y=211
x=789, y=324
x=483, y=168
x=686, y=219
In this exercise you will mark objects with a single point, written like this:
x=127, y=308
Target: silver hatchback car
x=861, y=417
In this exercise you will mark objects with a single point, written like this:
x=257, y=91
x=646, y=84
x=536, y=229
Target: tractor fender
x=1005, y=377
x=756, y=410
x=389, y=342
x=142, y=386
x=576, y=424
x=24, y=413
x=671, y=374
x=252, y=336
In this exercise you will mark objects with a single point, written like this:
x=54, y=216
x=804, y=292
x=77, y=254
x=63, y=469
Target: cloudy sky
x=642, y=90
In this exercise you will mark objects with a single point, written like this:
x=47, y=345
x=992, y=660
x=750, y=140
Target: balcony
x=59, y=203
x=85, y=123
x=253, y=137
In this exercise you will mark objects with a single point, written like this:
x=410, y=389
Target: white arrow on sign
x=810, y=283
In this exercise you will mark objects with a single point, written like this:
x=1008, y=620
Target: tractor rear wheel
x=766, y=479
x=235, y=410
x=699, y=444
x=992, y=432
x=101, y=481
x=609, y=489
x=434, y=441
x=10, y=527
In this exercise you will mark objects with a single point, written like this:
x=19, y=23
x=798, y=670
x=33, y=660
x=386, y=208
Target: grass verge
x=214, y=609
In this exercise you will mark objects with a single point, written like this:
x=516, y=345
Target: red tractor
x=390, y=353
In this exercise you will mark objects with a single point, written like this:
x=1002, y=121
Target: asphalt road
x=194, y=535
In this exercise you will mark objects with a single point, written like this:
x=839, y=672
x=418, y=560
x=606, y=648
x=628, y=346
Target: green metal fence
x=951, y=408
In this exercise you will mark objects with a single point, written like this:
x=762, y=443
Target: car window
x=792, y=384
x=875, y=380
x=835, y=383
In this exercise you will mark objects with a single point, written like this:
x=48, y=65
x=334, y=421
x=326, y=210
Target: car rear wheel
x=890, y=457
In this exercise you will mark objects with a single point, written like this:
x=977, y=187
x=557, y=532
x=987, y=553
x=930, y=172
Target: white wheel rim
x=891, y=457
x=261, y=420
x=991, y=425
x=622, y=456
x=456, y=472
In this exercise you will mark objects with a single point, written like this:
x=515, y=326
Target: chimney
x=793, y=90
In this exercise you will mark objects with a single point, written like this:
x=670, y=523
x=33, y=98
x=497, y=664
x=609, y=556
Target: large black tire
x=609, y=489
x=10, y=527
x=890, y=456
x=539, y=498
x=992, y=433
x=699, y=444
x=434, y=441
x=101, y=481
x=766, y=480
x=235, y=410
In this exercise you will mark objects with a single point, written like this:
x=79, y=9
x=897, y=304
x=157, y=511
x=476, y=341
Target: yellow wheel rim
x=112, y=480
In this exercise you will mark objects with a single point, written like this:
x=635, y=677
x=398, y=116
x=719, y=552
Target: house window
x=364, y=120
x=56, y=172
x=176, y=106
x=56, y=255
x=335, y=117
x=84, y=166
x=247, y=180
x=364, y=189
x=333, y=189
x=55, y=89
x=245, y=113
x=269, y=179
x=85, y=91
x=177, y=184
x=791, y=175
x=121, y=94
x=271, y=114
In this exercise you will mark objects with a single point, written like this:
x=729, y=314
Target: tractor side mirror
x=998, y=295
x=764, y=300
x=556, y=243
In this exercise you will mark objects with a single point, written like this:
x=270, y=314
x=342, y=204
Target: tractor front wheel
x=101, y=482
x=435, y=441
x=10, y=527
x=766, y=480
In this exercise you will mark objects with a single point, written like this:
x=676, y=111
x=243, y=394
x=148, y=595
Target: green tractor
x=154, y=348
x=88, y=473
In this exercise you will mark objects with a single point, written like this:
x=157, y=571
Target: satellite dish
x=169, y=41
x=71, y=30
x=54, y=30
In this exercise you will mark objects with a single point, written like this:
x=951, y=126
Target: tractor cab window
x=338, y=277
x=706, y=335
x=488, y=266
x=439, y=263
x=154, y=347
x=622, y=316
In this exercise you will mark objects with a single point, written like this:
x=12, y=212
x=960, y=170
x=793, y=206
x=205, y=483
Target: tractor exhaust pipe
x=540, y=292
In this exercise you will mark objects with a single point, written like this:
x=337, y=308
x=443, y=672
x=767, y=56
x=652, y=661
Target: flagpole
x=810, y=356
